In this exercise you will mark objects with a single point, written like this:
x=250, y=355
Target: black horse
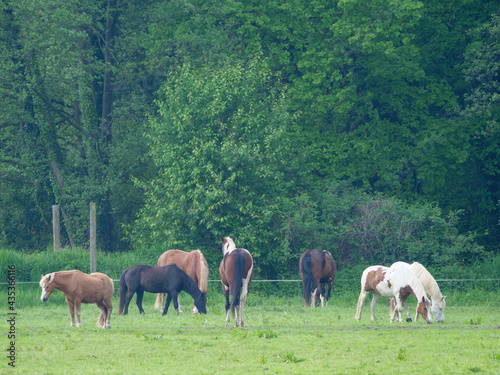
x=167, y=279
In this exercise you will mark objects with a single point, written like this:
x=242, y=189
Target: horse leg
x=101, y=322
x=128, y=298
x=77, y=308
x=375, y=298
x=225, y=289
x=398, y=310
x=408, y=317
x=330, y=285
x=243, y=300
x=138, y=301
x=179, y=308
x=71, y=306
x=109, y=308
x=167, y=303
x=361, y=302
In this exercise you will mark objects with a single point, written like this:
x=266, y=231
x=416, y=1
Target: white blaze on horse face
x=47, y=288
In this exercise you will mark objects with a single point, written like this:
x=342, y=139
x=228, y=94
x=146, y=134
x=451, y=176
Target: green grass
x=281, y=337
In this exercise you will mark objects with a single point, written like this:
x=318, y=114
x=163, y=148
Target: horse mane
x=429, y=283
x=203, y=277
x=228, y=245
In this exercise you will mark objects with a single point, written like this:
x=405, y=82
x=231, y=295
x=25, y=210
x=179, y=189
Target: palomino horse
x=431, y=288
x=317, y=268
x=79, y=287
x=167, y=279
x=193, y=263
x=236, y=271
x=396, y=282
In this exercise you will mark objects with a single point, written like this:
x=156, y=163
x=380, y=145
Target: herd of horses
x=178, y=271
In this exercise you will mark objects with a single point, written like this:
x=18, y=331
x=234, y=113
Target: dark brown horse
x=317, y=268
x=236, y=271
x=167, y=279
x=79, y=287
x=193, y=263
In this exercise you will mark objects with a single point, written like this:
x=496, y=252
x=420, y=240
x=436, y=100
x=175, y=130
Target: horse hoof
x=408, y=320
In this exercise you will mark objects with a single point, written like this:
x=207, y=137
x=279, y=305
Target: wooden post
x=56, y=228
x=92, y=237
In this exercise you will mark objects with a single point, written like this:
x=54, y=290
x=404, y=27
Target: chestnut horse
x=396, y=282
x=317, y=268
x=78, y=287
x=431, y=288
x=167, y=279
x=236, y=271
x=193, y=263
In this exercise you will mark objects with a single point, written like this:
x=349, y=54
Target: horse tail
x=239, y=268
x=307, y=278
x=162, y=261
x=203, y=279
x=123, y=292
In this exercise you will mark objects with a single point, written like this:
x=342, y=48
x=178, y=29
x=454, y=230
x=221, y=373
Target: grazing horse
x=78, y=287
x=317, y=268
x=431, y=288
x=193, y=263
x=236, y=271
x=167, y=279
x=396, y=282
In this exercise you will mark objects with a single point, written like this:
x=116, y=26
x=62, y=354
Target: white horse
x=394, y=282
x=431, y=287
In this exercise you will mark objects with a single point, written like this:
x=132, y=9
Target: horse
x=236, y=271
x=166, y=279
x=396, y=282
x=193, y=263
x=317, y=268
x=431, y=287
x=78, y=287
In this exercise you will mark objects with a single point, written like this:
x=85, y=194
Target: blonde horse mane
x=429, y=283
x=203, y=279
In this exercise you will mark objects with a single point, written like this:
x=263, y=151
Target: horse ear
x=423, y=299
x=442, y=298
x=42, y=276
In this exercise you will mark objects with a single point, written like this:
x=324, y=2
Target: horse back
x=373, y=278
x=321, y=264
x=228, y=266
x=90, y=288
x=189, y=262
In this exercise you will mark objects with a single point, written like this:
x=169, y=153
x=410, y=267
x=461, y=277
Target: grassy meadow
x=281, y=337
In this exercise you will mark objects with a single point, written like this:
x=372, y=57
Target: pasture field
x=281, y=337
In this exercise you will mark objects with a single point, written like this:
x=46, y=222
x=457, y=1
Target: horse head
x=201, y=303
x=47, y=286
x=438, y=309
x=228, y=245
x=423, y=309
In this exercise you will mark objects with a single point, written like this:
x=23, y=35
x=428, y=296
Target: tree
x=218, y=143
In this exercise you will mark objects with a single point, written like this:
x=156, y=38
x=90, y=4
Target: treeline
x=369, y=129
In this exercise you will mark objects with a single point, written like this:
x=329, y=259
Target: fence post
x=56, y=228
x=92, y=237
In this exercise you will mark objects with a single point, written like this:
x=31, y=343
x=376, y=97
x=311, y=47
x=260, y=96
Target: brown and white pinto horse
x=397, y=282
x=236, y=271
x=78, y=288
x=317, y=268
x=193, y=263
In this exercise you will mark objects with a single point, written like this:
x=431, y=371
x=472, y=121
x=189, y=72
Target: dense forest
x=366, y=128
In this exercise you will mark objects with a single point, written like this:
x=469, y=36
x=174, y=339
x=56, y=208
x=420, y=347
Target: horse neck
x=61, y=281
x=418, y=289
x=190, y=287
